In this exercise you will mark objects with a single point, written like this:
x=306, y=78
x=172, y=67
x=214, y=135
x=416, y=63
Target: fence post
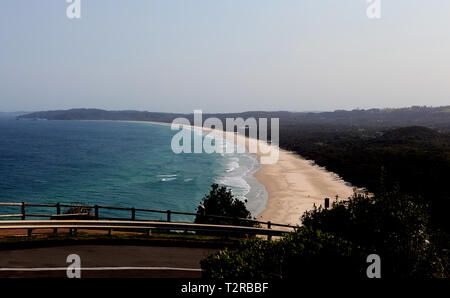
x=269, y=226
x=58, y=212
x=327, y=203
x=23, y=211
x=96, y=211
x=133, y=213
x=168, y=215
x=30, y=232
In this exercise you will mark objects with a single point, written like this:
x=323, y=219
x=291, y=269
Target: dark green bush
x=79, y=210
x=308, y=254
x=336, y=242
x=392, y=225
x=221, y=202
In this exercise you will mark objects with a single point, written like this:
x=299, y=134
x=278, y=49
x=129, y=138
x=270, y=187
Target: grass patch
x=155, y=239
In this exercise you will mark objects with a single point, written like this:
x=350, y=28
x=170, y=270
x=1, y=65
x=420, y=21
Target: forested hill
x=438, y=117
x=416, y=159
x=97, y=114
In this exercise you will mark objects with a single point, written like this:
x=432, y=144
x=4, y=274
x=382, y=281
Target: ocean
x=123, y=164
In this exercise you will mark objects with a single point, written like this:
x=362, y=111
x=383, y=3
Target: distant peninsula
x=432, y=117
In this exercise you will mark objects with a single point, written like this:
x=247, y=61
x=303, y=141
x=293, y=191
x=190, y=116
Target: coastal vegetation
x=307, y=254
x=221, y=202
x=79, y=210
x=414, y=160
x=335, y=243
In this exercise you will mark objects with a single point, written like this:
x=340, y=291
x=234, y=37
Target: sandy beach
x=293, y=183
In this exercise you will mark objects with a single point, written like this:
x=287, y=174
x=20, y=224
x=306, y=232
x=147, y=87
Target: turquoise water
x=115, y=164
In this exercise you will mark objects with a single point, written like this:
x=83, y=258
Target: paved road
x=127, y=261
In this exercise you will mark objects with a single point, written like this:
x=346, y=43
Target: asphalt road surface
x=104, y=261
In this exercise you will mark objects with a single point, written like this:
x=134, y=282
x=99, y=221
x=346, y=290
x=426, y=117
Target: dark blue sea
x=111, y=163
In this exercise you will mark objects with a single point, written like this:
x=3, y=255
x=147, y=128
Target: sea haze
x=116, y=164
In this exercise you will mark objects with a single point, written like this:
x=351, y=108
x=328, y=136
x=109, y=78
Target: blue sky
x=223, y=55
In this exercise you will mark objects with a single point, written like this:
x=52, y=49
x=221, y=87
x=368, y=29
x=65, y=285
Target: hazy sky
x=223, y=55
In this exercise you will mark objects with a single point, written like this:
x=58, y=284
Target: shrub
x=391, y=224
x=307, y=253
x=221, y=202
x=79, y=210
x=335, y=243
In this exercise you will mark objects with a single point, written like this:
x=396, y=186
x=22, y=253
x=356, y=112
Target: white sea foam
x=167, y=179
x=233, y=164
x=235, y=182
x=238, y=175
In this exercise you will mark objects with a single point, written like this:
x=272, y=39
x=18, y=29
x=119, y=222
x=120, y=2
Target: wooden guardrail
x=24, y=207
x=145, y=226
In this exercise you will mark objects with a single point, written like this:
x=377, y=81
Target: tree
x=221, y=202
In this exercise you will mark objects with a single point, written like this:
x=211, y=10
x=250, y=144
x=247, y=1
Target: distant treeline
x=437, y=118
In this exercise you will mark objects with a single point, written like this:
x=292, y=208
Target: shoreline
x=293, y=184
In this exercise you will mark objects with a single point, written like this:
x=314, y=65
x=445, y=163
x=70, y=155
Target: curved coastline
x=294, y=184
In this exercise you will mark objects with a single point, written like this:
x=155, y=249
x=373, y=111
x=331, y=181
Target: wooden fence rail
x=145, y=226
x=24, y=213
